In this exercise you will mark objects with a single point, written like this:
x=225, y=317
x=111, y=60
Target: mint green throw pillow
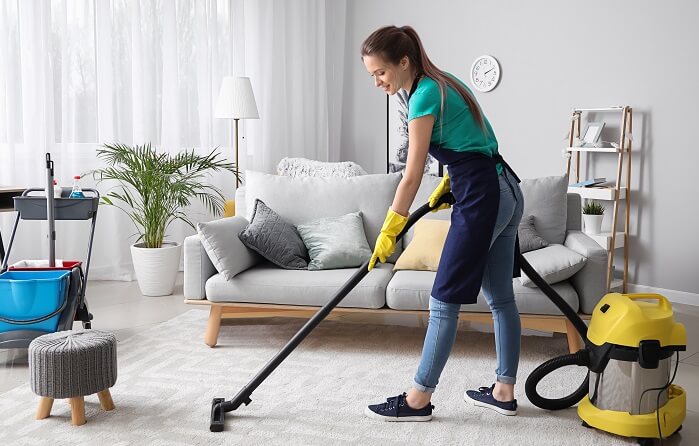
x=335, y=242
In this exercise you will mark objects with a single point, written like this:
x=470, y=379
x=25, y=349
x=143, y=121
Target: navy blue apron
x=476, y=189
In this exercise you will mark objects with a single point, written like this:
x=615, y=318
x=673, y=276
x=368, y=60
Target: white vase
x=593, y=223
x=156, y=268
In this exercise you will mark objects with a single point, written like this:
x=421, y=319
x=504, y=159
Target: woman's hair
x=392, y=43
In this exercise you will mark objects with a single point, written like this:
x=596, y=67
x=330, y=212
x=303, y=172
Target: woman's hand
x=386, y=241
x=443, y=188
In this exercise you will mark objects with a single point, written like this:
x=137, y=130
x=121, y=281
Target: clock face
x=485, y=73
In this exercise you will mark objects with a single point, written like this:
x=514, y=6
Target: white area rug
x=168, y=377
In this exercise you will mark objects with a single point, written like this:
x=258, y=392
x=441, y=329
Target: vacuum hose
x=580, y=358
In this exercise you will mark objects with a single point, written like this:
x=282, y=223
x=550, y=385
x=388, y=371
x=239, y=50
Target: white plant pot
x=593, y=223
x=156, y=268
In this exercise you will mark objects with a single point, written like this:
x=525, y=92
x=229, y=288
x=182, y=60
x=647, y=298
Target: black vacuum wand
x=219, y=406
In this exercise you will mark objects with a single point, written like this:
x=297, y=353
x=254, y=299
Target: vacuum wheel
x=584, y=424
x=646, y=441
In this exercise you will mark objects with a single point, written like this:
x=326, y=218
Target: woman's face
x=386, y=75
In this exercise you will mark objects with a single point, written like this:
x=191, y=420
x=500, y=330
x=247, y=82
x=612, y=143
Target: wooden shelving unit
x=618, y=194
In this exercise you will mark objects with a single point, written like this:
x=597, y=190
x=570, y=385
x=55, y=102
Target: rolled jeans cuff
x=422, y=388
x=506, y=379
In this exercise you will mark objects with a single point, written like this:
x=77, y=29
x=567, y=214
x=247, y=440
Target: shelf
x=595, y=149
x=601, y=109
x=605, y=239
x=597, y=193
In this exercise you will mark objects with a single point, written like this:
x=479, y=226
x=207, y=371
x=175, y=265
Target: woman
x=445, y=120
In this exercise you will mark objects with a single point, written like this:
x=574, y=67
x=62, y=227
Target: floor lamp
x=235, y=101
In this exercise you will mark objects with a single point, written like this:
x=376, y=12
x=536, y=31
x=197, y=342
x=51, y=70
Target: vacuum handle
x=662, y=300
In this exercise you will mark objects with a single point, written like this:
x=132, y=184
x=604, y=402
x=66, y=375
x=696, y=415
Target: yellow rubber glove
x=443, y=188
x=386, y=241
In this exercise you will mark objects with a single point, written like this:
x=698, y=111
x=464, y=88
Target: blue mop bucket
x=32, y=300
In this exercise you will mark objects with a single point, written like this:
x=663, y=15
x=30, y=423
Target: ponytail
x=392, y=44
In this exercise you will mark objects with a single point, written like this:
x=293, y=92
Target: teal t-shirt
x=455, y=128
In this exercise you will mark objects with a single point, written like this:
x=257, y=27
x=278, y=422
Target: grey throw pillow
x=554, y=263
x=335, y=242
x=274, y=238
x=226, y=251
x=529, y=239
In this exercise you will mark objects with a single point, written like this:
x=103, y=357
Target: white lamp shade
x=236, y=99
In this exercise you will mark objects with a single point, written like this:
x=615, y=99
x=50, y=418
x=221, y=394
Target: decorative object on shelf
x=485, y=73
x=236, y=101
x=397, y=141
x=593, y=213
x=153, y=189
x=588, y=183
x=591, y=134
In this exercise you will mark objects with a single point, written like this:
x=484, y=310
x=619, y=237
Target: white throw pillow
x=228, y=254
x=554, y=264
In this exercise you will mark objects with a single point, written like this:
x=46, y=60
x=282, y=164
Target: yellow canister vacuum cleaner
x=629, y=346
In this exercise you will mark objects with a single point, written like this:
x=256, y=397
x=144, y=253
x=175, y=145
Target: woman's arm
x=419, y=135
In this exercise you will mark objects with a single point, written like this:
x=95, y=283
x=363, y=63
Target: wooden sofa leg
x=214, y=325
x=574, y=341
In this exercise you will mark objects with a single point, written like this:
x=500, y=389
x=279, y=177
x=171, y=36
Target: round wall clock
x=485, y=73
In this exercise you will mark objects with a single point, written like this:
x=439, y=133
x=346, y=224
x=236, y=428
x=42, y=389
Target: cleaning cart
x=39, y=297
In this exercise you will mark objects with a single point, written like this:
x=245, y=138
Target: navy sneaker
x=483, y=397
x=397, y=409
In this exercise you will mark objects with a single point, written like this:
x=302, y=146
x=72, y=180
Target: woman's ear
x=404, y=63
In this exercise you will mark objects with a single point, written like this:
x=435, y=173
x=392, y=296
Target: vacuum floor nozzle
x=217, y=415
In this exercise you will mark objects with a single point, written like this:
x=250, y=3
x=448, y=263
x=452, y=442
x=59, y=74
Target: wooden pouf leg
x=77, y=410
x=105, y=399
x=44, y=409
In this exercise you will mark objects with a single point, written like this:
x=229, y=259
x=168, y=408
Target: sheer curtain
x=80, y=73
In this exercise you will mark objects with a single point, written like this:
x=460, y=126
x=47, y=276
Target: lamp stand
x=237, y=169
x=229, y=205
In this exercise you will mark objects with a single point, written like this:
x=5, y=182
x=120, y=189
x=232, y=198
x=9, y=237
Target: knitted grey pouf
x=72, y=364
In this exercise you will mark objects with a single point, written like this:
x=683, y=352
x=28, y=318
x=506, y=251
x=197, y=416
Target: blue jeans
x=497, y=289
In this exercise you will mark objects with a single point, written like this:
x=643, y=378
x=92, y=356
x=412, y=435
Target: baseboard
x=680, y=297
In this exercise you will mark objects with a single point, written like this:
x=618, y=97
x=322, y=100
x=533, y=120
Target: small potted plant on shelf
x=154, y=189
x=593, y=213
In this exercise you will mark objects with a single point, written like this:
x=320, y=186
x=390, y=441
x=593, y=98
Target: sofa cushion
x=274, y=238
x=300, y=200
x=428, y=184
x=226, y=251
x=425, y=249
x=410, y=290
x=546, y=199
x=554, y=263
x=335, y=242
x=265, y=283
x=529, y=239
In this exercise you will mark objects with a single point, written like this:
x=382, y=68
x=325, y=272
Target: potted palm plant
x=153, y=190
x=593, y=213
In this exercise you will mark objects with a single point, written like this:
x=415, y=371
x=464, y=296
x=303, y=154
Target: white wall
x=555, y=56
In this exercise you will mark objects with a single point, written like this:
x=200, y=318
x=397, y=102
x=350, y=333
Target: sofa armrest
x=591, y=281
x=197, y=268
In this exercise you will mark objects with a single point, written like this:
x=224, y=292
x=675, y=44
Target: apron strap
x=498, y=158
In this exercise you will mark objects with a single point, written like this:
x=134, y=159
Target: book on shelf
x=588, y=183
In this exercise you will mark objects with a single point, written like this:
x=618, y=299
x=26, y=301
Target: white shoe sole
x=477, y=403
x=371, y=414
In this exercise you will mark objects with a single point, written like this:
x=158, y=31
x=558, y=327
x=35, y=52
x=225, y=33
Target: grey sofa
x=260, y=288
